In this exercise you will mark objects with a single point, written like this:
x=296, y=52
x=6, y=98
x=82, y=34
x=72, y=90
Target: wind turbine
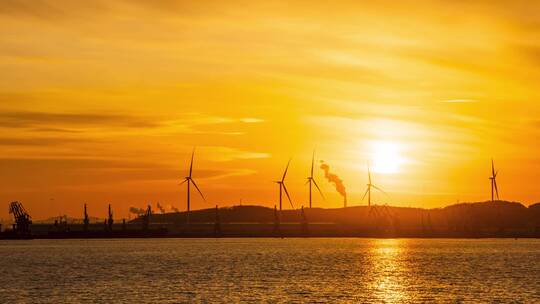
x=493, y=179
x=311, y=180
x=369, y=186
x=282, y=187
x=189, y=180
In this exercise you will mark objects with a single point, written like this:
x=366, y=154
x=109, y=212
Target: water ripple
x=270, y=271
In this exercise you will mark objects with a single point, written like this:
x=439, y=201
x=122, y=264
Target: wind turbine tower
x=311, y=180
x=189, y=180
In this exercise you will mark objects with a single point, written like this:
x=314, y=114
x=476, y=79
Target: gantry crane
x=22, y=218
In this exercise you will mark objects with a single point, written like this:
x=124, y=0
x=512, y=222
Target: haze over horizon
x=103, y=102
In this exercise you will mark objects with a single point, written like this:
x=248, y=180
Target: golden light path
x=389, y=272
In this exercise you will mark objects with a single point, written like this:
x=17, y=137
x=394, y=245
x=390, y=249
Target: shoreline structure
x=498, y=219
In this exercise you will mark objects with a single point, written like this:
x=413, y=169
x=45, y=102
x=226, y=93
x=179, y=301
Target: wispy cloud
x=47, y=119
x=42, y=141
x=222, y=153
x=251, y=120
x=464, y=100
x=57, y=122
x=80, y=171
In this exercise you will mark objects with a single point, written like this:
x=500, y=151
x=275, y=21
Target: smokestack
x=86, y=220
x=110, y=221
x=334, y=179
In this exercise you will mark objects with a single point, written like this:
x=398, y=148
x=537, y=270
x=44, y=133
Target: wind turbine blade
x=191, y=164
x=312, y=163
x=369, y=174
x=286, y=169
x=379, y=189
x=307, y=182
x=363, y=197
x=496, y=189
x=288, y=196
x=185, y=180
x=196, y=187
x=315, y=183
x=492, y=168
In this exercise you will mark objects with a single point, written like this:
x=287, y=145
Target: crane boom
x=22, y=218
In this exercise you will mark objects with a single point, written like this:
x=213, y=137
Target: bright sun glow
x=385, y=157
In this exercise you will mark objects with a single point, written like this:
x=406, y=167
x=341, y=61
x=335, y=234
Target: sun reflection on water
x=389, y=270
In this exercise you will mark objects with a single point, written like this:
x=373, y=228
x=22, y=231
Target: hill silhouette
x=468, y=220
x=68, y=220
x=484, y=218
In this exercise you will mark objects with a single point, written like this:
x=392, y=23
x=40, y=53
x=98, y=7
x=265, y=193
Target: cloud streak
x=43, y=141
x=459, y=101
x=27, y=172
x=47, y=119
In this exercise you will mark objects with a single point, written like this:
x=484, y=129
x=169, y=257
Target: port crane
x=22, y=218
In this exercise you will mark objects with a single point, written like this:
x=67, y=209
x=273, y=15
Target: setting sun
x=385, y=157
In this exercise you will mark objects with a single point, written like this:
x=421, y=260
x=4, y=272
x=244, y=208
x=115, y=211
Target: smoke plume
x=334, y=179
x=137, y=211
x=161, y=209
x=170, y=208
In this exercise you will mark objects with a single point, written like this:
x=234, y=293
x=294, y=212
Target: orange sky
x=102, y=102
